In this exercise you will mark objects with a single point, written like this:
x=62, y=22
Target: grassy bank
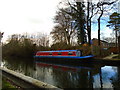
x=7, y=85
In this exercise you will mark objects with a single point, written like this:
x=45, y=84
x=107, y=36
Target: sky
x=20, y=16
x=31, y=16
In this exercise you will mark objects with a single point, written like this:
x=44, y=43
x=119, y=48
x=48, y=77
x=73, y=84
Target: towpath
x=111, y=57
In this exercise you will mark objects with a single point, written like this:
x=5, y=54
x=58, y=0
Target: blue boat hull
x=66, y=57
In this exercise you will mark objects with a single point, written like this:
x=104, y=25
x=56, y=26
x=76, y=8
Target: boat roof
x=59, y=51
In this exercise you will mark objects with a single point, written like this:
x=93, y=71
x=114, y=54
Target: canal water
x=68, y=74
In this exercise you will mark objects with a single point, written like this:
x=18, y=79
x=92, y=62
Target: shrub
x=102, y=52
x=113, y=50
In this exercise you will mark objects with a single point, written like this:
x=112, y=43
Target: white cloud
x=18, y=16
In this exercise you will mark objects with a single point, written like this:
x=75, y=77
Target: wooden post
x=1, y=35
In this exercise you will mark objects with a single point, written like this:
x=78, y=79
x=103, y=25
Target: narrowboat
x=68, y=54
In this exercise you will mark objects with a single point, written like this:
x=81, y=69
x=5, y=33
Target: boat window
x=78, y=53
x=59, y=53
x=70, y=53
x=50, y=53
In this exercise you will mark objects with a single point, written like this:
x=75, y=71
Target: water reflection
x=25, y=67
x=68, y=75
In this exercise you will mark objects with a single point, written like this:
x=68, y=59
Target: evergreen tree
x=114, y=23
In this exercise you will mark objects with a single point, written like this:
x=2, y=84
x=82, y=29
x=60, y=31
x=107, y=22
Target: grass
x=7, y=85
x=116, y=57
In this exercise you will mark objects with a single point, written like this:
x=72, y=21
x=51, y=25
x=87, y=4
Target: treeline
x=74, y=21
x=25, y=46
x=72, y=30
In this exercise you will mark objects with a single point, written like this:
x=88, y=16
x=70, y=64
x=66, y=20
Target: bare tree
x=103, y=6
x=64, y=30
x=40, y=39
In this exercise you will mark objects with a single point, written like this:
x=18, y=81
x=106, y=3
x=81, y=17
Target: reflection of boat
x=64, y=67
x=69, y=54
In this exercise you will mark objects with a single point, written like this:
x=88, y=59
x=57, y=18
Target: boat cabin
x=59, y=53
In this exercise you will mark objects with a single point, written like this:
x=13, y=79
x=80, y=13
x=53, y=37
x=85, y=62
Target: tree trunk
x=98, y=31
x=68, y=39
x=119, y=44
x=80, y=18
x=99, y=25
x=116, y=38
x=88, y=23
x=89, y=37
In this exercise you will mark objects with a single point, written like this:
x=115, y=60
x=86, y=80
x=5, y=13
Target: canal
x=68, y=74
